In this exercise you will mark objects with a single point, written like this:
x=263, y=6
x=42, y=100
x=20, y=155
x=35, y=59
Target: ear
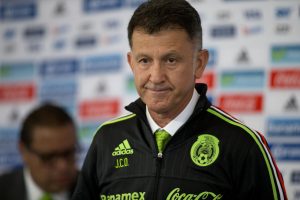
x=21, y=147
x=129, y=60
x=23, y=151
x=202, y=59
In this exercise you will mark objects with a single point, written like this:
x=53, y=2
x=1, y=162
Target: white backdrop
x=73, y=52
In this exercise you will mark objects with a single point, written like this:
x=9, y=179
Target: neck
x=163, y=118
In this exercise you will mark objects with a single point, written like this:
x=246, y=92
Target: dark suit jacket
x=12, y=186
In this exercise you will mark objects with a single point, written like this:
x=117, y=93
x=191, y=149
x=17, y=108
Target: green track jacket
x=212, y=156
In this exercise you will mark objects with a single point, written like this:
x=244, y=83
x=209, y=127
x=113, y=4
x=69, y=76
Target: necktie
x=162, y=137
x=46, y=196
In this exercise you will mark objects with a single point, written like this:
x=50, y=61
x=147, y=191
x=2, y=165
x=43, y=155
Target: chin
x=60, y=187
x=158, y=108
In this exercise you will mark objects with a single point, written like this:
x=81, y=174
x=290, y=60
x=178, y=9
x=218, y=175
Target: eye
x=144, y=61
x=171, y=60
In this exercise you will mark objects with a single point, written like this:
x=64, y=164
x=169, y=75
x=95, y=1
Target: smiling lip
x=156, y=88
x=63, y=180
x=158, y=91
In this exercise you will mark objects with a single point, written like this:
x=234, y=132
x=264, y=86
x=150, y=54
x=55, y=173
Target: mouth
x=157, y=88
x=159, y=92
x=65, y=180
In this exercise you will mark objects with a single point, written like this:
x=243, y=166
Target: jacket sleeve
x=259, y=177
x=87, y=184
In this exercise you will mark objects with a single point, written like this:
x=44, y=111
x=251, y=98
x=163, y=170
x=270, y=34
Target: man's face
x=51, y=157
x=165, y=66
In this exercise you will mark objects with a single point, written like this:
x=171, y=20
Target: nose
x=62, y=163
x=157, y=73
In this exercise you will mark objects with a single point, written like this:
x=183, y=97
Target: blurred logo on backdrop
x=241, y=80
x=241, y=103
x=34, y=32
x=17, y=92
x=252, y=30
x=223, y=31
x=85, y=41
x=9, y=34
x=64, y=67
x=285, y=151
x=60, y=8
x=223, y=15
x=213, y=57
x=102, y=64
x=9, y=40
x=22, y=70
x=292, y=104
x=243, y=56
x=34, y=38
x=283, y=12
x=9, y=155
x=285, y=54
x=287, y=127
x=285, y=78
x=96, y=5
x=62, y=92
x=244, y=0
x=17, y=10
x=282, y=28
x=93, y=110
x=295, y=177
x=208, y=77
x=253, y=14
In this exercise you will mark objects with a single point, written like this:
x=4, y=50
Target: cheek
x=30, y=160
x=38, y=171
x=184, y=76
x=183, y=81
x=139, y=78
x=34, y=164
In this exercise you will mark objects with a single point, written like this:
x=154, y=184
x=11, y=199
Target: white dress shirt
x=176, y=123
x=34, y=192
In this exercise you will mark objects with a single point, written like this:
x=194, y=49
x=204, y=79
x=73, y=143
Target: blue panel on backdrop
x=16, y=71
x=97, y=5
x=223, y=31
x=59, y=68
x=212, y=59
x=100, y=64
x=285, y=151
x=254, y=79
x=283, y=127
x=9, y=154
x=18, y=11
x=285, y=54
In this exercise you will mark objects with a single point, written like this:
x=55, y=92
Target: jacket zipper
x=158, y=169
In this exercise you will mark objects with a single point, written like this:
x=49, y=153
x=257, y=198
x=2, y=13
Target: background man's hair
x=46, y=115
x=156, y=15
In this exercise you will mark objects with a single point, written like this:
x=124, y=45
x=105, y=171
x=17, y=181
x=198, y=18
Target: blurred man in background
x=47, y=144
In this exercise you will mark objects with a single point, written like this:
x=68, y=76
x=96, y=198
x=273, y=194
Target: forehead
x=163, y=33
x=57, y=137
x=175, y=37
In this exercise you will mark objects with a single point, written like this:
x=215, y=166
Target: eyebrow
x=168, y=54
x=140, y=55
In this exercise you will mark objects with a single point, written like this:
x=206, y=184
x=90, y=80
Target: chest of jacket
x=191, y=167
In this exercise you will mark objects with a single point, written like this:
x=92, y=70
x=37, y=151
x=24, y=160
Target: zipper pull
x=159, y=155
